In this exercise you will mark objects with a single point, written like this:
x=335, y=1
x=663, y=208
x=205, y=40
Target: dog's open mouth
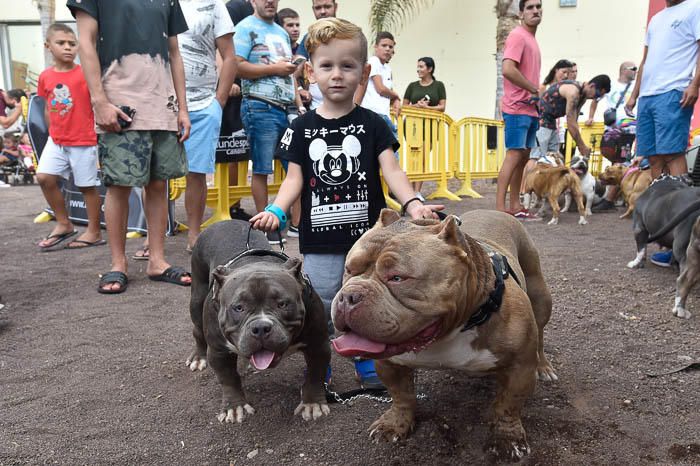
x=264, y=359
x=351, y=344
x=579, y=171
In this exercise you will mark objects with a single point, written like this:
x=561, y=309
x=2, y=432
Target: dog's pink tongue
x=262, y=359
x=352, y=344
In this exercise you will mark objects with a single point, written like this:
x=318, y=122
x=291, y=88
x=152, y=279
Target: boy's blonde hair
x=58, y=27
x=324, y=30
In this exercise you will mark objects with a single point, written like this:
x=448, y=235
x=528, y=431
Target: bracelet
x=279, y=213
x=403, y=207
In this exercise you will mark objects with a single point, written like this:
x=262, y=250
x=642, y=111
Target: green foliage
x=392, y=15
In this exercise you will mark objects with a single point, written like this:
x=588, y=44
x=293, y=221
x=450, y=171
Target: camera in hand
x=123, y=124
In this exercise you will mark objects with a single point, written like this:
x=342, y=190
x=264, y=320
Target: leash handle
x=247, y=241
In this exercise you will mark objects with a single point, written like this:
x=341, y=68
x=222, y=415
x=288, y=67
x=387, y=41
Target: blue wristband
x=279, y=213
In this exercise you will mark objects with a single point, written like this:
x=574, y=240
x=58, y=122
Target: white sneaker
x=292, y=231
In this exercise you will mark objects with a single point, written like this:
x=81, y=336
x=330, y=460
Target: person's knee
x=46, y=181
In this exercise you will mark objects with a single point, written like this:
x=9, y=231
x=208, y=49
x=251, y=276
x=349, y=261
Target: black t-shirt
x=239, y=10
x=342, y=193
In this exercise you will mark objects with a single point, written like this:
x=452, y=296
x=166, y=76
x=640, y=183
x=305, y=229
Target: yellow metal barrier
x=425, y=140
x=471, y=158
x=593, y=136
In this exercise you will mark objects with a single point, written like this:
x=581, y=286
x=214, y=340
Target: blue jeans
x=520, y=131
x=662, y=125
x=264, y=124
x=326, y=274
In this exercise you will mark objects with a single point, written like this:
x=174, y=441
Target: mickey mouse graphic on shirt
x=334, y=165
x=62, y=100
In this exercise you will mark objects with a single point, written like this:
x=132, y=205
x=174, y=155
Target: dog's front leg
x=686, y=280
x=234, y=407
x=508, y=439
x=313, y=398
x=567, y=201
x=396, y=423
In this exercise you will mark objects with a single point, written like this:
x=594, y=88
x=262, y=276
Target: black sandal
x=172, y=274
x=110, y=278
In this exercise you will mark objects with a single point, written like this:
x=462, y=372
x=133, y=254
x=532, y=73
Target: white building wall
x=460, y=35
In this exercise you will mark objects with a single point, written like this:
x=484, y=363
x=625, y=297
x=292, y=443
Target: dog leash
x=380, y=395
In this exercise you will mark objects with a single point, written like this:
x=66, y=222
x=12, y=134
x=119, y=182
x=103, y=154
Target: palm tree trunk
x=47, y=15
x=507, y=12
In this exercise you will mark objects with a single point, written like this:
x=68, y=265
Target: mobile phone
x=298, y=61
x=130, y=112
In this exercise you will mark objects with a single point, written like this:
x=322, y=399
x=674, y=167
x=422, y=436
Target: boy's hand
x=184, y=125
x=418, y=210
x=106, y=115
x=265, y=221
x=285, y=68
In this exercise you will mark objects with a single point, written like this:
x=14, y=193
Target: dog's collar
x=502, y=269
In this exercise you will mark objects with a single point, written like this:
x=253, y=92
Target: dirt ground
x=93, y=379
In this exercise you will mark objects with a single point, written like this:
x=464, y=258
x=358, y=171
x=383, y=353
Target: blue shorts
x=264, y=124
x=520, y=131
x=662, y=125
x=201, y=145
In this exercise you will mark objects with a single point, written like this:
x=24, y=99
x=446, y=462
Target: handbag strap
x=622, y=96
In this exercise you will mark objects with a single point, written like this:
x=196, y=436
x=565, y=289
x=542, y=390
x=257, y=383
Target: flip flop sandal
x=59, y=239
x=85, y=244
x=172, y=274
x=144, y=254
x=111, y=278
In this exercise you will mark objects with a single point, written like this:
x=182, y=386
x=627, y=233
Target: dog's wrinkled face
x=579, y=164
x=613, y=174
x=404, y=286
x=260, y=309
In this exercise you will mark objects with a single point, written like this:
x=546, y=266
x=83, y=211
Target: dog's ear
x=387, y=217
x=450, y=233
x=218, y=279
x=294, y=267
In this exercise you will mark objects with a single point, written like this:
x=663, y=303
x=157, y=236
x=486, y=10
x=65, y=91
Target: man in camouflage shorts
x=143, y=71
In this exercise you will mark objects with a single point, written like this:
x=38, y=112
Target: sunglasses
x=598, y=95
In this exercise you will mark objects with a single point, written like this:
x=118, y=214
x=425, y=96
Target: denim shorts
x=547, y=141
x=264, y=124
x=662, y=125
x=325, y=271
x=520, y=131
x=201, y=145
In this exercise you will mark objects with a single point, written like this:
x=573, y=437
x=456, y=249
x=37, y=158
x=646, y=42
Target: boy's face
x=384, y=50
x=338, y=69
x=63, y=46
x=291, y=25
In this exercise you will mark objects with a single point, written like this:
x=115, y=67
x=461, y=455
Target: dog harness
x=502, y=270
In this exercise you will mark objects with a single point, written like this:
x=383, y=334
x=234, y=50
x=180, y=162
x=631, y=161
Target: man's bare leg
x=258, y=186
x=195, y=203
x=92, y=206
x=157, y=217
x=516, y=181
x=116, y=218
x=677, y=164
x=514, y=161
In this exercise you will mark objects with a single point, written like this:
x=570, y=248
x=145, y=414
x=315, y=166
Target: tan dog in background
x=408, y=291
x=632, y=185
x=549, y=183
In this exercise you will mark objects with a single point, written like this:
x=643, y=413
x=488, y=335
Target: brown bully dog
x=632, y=185
x=409, y=289
x=551, y=182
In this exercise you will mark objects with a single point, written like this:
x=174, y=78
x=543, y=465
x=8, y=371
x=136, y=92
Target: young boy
x=335, y=153
x=71, y=147
x=377, y=94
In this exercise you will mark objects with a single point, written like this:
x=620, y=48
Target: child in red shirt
x=72, y=143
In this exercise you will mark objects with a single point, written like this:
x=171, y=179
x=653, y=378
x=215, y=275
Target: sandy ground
x=93, y=379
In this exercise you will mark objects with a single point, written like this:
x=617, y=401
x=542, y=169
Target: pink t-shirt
x=522, y=48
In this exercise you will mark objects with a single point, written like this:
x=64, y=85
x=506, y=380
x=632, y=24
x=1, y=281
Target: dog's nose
x=347, y=301
x=261, y=328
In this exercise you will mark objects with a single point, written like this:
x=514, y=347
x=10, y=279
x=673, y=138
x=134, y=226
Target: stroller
x=18, y=171
x=618, y=142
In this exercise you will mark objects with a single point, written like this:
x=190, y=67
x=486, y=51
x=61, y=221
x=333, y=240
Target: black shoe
x=603, y=206
x=239, y=214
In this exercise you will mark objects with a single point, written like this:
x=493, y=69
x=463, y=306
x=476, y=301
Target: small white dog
x=579, y=164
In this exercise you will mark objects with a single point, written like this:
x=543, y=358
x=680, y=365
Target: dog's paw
x=582, y=220
x=554, y=221
x=680, y=311
x=312, y=411
x=589, y=212
x=508, y=449
x=237, y=414
x=545, y=372
x=392, y=426
x=196, y=362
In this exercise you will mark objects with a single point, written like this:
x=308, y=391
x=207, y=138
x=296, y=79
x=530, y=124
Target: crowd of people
x=147, y=108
